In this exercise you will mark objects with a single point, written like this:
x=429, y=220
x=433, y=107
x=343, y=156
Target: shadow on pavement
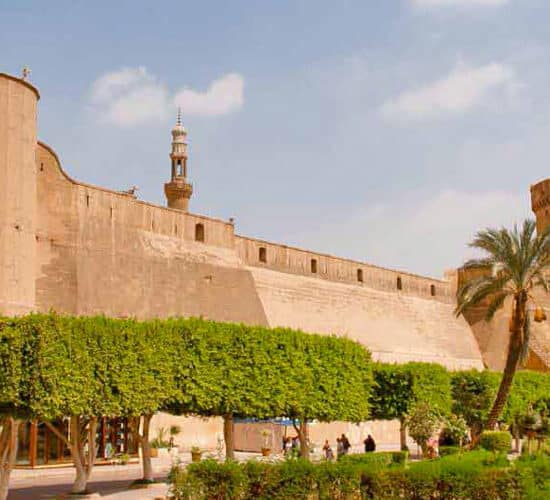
x=60, y=489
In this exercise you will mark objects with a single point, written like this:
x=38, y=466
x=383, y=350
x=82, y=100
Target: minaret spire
x=178, y=191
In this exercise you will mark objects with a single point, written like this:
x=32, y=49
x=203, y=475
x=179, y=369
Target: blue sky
x=381, y=130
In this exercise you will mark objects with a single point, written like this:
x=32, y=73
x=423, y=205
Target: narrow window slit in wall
x=432, y=290
x=399, y=283
x=360, y=275
x=41, y=167
x=314, y=266
x=176, y=229
x=87, y=200
x=262, y=254
x=199, y=232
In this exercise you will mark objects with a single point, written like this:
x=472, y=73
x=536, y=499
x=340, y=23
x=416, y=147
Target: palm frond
x=482, y=263
x=539, y=279
x=495, y=304
x=479, y=289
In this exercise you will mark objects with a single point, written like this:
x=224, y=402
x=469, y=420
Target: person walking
x=329, y=455
x=287, y=445
x=346, y=445
x=339, y=448
x=370, y=444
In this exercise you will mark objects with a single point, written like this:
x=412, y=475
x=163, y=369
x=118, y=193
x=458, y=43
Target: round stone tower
x=540, y=203
x=18, y=107
x=178, y=191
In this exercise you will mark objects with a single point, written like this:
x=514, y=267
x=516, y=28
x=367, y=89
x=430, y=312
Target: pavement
x=108, y=481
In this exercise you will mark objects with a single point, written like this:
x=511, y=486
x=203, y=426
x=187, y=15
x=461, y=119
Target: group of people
x=343, y=446
x=291, y=446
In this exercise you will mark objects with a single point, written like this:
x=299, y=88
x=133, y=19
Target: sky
x=387, y=131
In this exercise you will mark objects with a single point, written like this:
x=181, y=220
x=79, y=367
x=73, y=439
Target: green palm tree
x=514, y=263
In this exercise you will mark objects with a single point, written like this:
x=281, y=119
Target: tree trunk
x=9, y=440
x=92, y=448
x=229, y=436
x=302, y=431
x=475, y=434
x=76, y=447
x=514, y=351
x=403, y=434
x=146, y=448
x=79, y=433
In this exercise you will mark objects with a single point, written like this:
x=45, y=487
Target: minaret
x=178, y=190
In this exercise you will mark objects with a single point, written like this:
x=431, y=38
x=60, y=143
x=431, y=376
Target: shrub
x=337, y=481
x=496, y=441
x=378, y=459
x=423, y=423
x=449, y=450
x=216, y=480
x=476, y=475
x=455, y=431
x=399, y=457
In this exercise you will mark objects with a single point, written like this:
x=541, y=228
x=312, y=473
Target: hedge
x=476, y=475
x=52, y=366
x=449, y=450
x=497, y=441
x=381, y=458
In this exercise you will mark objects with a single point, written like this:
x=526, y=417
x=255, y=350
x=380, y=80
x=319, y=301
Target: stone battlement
x=108, y=205
x=299, y=261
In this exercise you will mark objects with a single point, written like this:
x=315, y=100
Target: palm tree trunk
x=514, y=352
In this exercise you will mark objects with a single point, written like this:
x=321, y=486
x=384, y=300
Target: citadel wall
x=105, y=252
x=82, y=249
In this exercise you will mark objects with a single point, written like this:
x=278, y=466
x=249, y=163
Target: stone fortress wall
x=82, y=249
x=101, y=251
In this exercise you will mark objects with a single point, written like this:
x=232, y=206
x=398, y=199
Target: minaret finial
x=179, y=116
x=25, y=73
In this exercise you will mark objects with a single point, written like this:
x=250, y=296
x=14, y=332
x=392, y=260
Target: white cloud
x=458, y=92
x=222, y=96
x=458, y=3
x=132, y=96
x=425, y=235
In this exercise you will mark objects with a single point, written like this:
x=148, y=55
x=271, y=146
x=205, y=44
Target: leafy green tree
x=336, y=383
x=528, y=397
x=514, y=263
x=423, y=422
x=392, y=395
x=144, y=375
x=240, y=371
x=227, y=375
x=473, y=392
x=398, y=388
x=62, y=355
x=12, y=406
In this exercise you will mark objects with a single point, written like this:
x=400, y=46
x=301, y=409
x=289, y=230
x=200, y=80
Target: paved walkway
x=110, y=481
